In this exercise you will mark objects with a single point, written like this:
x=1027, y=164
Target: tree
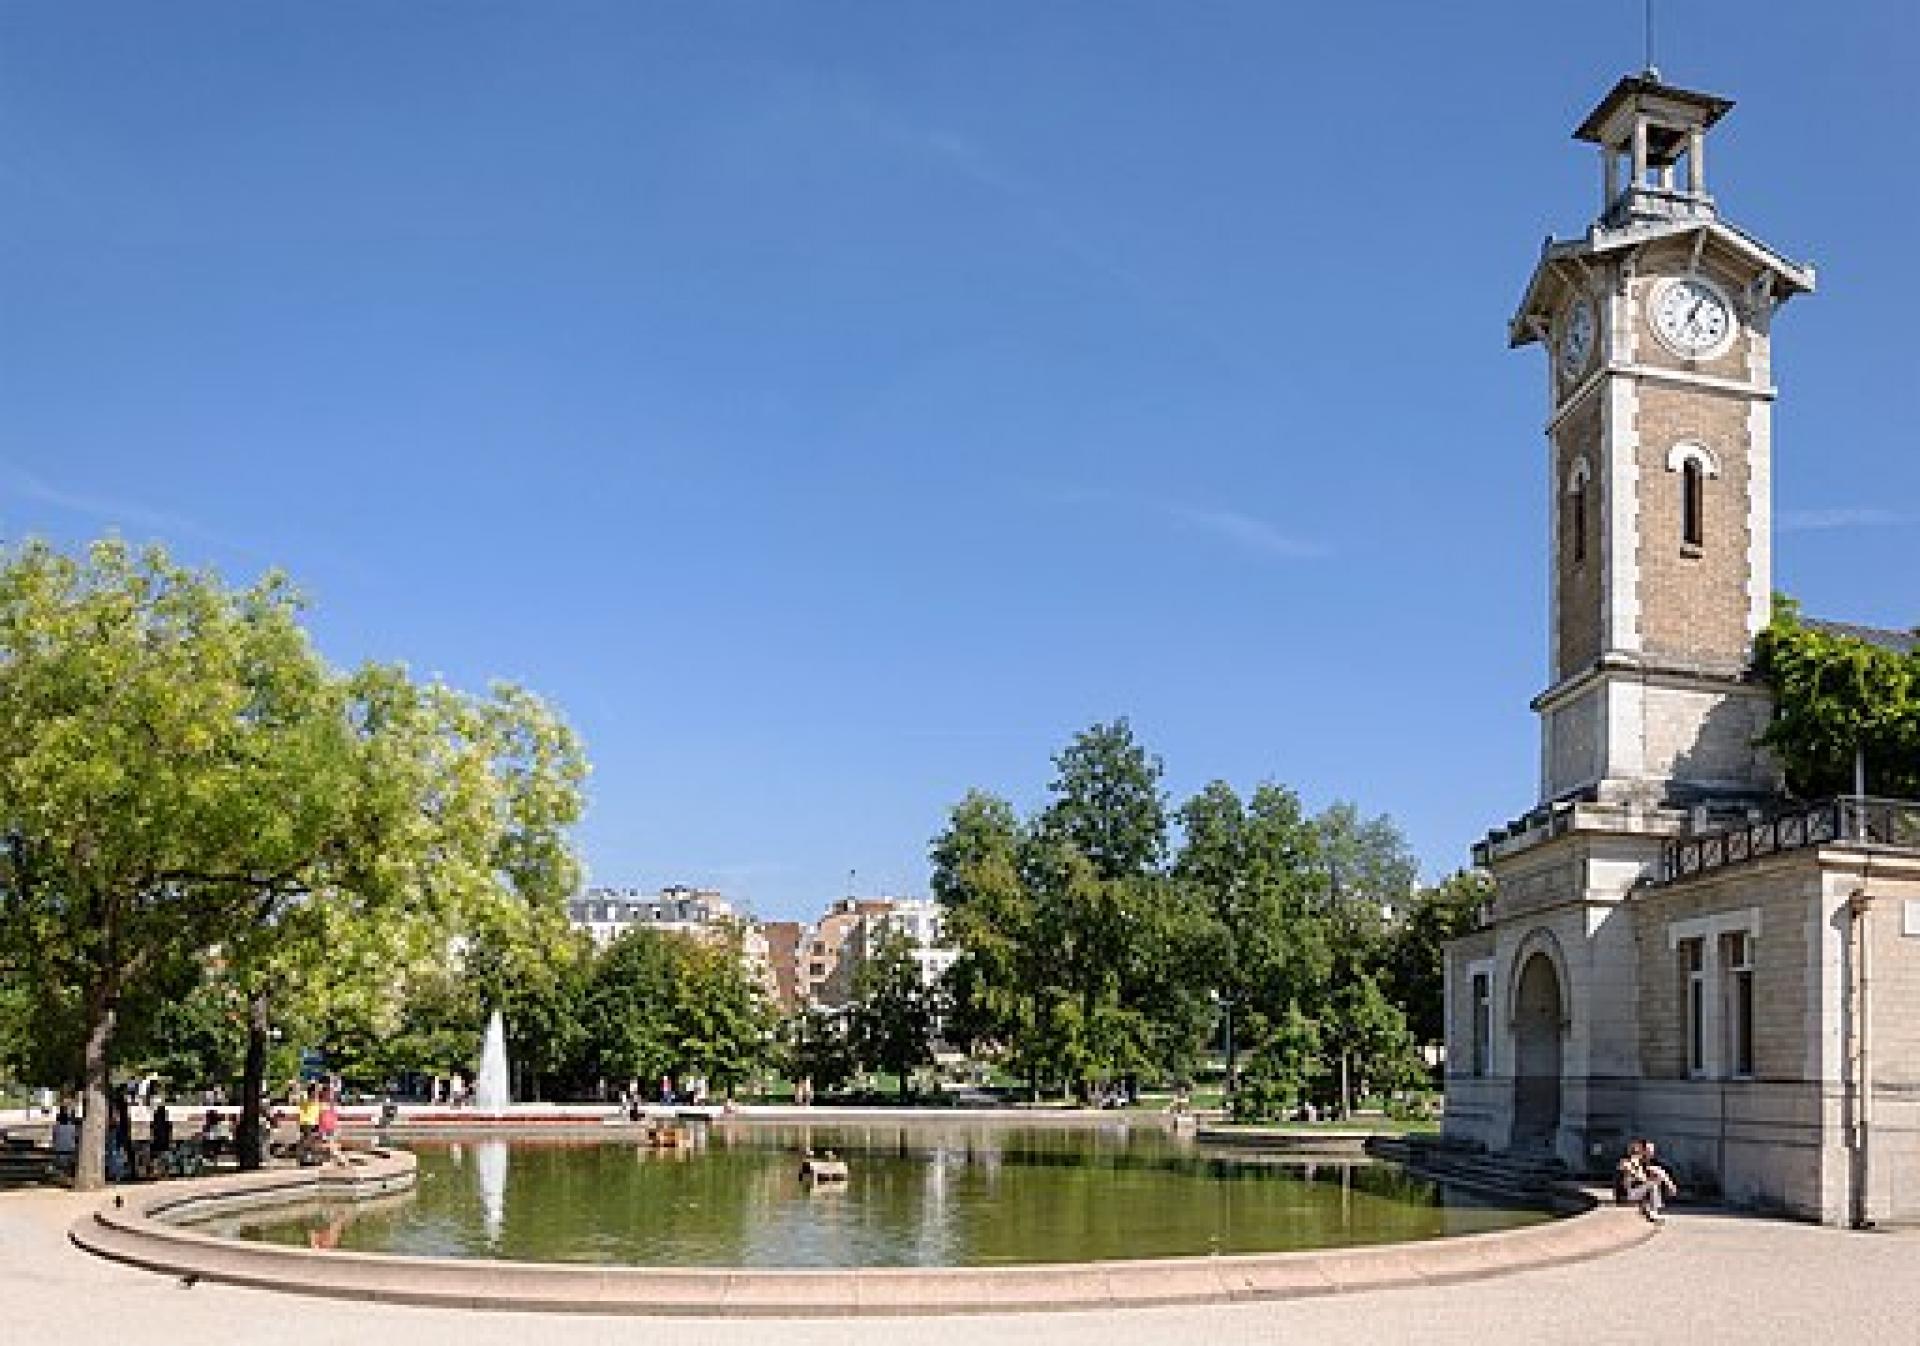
x=814, y=1047
x=1370, y=869
x=629, y=1004
x=182, y=775
x=1255, y=868
x=664, y=1003
x=991, y=916
x=1366, y=1044
x=1107, y=802
x=894, y=1009
x=724, y=1019
x=1836, y=696
x=977, y=853
x=532, y=966
x=1414, y=972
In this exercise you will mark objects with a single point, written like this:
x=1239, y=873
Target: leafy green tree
x=195, y=1035
x=182, y=775
x=815, y=1047
x=979, y=853
x=1255, y=868
x=629, y=1006
x=1285, y=1068
x=996, y=986
x=1414, y=971
x=1107, y=802
x=663, y=1003
x=894, y=1010
x=1370, y=870
x=532, y=966
x=1365, y=1044
x=725, y=1022
x=1836, y=696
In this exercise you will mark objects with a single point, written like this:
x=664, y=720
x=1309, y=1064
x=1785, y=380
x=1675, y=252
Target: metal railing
x=1851, y=820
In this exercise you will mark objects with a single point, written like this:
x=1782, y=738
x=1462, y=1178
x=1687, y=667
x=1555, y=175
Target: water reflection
x=490, y=1167
x=922, y=1195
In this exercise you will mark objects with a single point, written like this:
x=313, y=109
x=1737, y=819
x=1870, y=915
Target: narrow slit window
x=1579, y=522
x=1693, y=504
x=1737, y=956
x=1694, y=984
x=1482, y=1024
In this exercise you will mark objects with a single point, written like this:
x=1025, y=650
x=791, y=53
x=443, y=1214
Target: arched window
x=1577, y=509
x=1693, y=505
x=1695, y=463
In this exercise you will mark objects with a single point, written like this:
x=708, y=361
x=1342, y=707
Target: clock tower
x=1657, y=327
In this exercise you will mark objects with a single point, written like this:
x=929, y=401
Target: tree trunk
x=90, y=1163
x=253, y=1082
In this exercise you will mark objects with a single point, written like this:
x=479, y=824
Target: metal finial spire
x=1652, y=71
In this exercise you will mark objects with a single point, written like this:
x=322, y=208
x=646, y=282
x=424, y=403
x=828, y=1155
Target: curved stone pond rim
x=134, y=1227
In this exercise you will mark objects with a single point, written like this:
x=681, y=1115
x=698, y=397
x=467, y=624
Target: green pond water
x=918, y=1195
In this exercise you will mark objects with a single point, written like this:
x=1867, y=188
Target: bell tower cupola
x=1653, y=151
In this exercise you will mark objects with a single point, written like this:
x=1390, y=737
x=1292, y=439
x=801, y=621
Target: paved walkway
x=1706, y=1278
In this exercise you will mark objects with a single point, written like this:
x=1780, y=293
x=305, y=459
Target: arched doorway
x=1536, y=1042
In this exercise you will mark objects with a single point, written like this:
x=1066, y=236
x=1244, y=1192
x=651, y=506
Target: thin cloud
x=1245, y=531
x=135, y=517
x=1841, y=517
x=104, y=509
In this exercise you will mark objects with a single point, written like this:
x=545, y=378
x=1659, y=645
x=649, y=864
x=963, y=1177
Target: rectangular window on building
x=1482, y=1023
x=1736, y=957
x=1694, y=1003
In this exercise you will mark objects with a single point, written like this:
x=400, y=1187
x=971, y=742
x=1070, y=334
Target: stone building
x=1676, y=949
x=919, y=921
x=698, y=913
x=826, y=967
x=784, y=942
x=608, y=913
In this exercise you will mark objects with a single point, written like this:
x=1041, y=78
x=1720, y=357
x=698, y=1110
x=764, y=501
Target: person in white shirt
x=66, y=1140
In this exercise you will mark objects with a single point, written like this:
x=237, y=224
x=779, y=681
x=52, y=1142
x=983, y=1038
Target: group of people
x=451, y=1091
x=165, y=1153
x=319, y=1119
x=691, y=1090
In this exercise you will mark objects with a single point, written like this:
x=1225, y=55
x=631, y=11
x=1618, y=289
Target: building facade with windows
x=919, y=922
x=608, y=913
x=700, y=913
x=1676, y=949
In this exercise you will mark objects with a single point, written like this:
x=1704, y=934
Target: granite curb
x=136, y=1228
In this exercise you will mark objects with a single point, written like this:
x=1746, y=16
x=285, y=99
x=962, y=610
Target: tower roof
x=1670, y=112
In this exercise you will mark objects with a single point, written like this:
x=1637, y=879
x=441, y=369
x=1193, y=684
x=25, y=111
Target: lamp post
x=1225, y=1002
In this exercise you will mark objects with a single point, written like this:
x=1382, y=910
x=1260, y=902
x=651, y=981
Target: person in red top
x=329, y=1128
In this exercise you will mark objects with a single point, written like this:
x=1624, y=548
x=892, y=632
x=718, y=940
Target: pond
x=920, y=1194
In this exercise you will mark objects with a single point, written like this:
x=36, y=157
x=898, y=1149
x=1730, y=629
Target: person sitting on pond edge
x=1637, y=1178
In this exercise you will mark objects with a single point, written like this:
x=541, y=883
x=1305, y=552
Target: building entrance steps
x=1528, y=1177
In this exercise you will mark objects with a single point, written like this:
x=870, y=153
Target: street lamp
x=1225, y=1002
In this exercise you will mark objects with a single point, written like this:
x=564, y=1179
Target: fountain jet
x=491, y=1092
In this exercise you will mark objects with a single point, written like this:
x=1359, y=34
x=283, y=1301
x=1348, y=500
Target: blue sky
x=835, y=406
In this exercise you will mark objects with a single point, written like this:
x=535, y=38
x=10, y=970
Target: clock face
x=1576, y=338
x=1692, y=316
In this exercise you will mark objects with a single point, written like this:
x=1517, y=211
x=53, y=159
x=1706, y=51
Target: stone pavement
x=1705, y=1279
